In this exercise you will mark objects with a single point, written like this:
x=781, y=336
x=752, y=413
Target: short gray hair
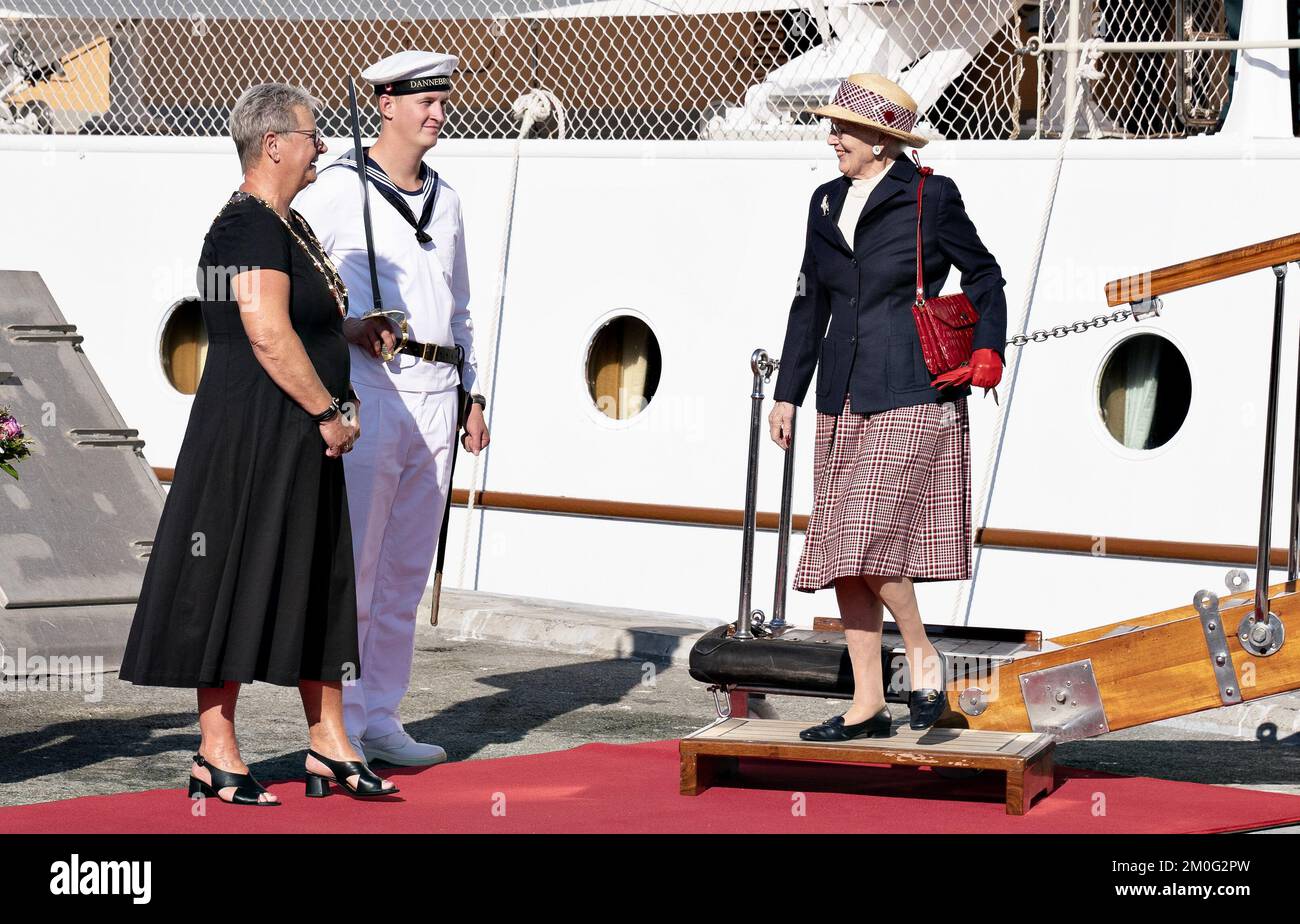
x=267, y=107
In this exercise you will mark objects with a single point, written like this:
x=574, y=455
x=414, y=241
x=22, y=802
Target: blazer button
x=853, y=340
x=853, y=300
x=855, y=262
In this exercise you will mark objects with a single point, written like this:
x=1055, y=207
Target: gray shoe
x=401, y=749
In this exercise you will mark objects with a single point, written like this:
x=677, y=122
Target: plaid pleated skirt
x=891, y=496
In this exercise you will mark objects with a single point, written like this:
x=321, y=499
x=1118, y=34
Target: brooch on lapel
x=826, y=205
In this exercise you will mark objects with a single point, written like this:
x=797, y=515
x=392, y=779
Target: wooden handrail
x=1202, y=270
x=1122, y=547
x=622, y=510
x=989, y=537
x=606, y=509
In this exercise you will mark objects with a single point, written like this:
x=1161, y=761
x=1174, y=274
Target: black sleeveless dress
x=251, y=573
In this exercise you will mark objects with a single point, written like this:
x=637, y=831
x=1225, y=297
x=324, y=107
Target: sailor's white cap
x=411, y=72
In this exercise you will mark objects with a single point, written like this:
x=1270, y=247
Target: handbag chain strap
x=920, y=187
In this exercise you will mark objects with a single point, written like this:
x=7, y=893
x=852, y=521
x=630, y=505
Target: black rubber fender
x=821, y=667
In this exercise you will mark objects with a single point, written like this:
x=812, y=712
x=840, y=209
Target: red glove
x=986, y=368
x=983, y=371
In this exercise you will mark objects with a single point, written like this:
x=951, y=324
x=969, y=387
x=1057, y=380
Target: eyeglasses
x=838, y=130
x=314, y=134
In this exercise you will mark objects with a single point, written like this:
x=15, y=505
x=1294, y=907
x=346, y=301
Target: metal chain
x=1077, y=327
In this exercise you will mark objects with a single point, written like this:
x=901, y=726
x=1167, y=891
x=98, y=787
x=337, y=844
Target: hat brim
x=831, y=111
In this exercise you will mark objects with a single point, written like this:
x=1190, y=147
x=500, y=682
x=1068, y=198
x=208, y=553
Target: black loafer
x=925, y=706
x=834, y=729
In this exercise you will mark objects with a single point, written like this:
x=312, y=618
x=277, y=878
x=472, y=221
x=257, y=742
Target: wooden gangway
x=1208, y=652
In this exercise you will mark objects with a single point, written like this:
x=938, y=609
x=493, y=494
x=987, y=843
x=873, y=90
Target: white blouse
x=853, y=205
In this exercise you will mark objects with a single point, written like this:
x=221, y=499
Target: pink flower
x=11, y=428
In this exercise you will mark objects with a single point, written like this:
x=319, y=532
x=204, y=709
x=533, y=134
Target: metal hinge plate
x=1216, y=642
x=1064, y=701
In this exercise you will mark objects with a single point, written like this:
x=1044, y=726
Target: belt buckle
x=424, y=351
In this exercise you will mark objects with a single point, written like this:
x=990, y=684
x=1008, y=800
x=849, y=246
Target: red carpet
x=633, y=788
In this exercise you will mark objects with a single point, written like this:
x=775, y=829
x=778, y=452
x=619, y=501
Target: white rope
x=535, y=106
x=1089, y=53
x=538, y=105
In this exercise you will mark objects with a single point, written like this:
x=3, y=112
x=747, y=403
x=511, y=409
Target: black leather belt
x=429, y=352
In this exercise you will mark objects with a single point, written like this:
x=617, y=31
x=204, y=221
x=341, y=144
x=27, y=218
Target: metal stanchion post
x=1261, y=613
x=783, y=533
x=762, y=366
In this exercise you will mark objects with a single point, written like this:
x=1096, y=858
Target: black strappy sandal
x=368, y=783
x=247, y=790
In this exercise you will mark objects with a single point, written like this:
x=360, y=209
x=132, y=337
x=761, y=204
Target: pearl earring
x=877, y=149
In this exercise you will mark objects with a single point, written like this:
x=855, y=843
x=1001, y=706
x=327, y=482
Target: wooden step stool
x=714, y=752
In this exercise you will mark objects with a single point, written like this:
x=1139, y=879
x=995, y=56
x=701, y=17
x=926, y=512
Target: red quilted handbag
x=946, y=323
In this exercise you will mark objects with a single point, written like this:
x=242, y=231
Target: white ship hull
x=702, y=240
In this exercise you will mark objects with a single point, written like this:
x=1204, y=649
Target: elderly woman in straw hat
x=891, y=477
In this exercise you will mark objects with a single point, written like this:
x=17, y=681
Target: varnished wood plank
x=1170, y=615
x=690, y=773
x=879, y=753
x=1123, y=547
x=1159, y=672
x=1203, y=269
x=711, y=752
x=621, y=510
x=1016, y=791
x=709, y=730
x=784, y=732
x=1029, y=637
x=1024, y=784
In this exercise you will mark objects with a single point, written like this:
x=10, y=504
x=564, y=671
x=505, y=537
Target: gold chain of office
x=332, y=279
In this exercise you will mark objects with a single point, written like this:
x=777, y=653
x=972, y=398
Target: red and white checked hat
x=876, y=102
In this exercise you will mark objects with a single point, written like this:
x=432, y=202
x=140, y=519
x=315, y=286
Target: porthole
x=183, y=346
x=1144, y=392
x=623, y=367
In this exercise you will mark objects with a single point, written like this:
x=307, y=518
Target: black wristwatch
x=480, y=401
x=329, y=413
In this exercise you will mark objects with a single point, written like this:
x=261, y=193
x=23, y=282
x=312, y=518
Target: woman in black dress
x=251, y=573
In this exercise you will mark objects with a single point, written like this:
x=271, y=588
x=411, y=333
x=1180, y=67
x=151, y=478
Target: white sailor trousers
x=398, y=475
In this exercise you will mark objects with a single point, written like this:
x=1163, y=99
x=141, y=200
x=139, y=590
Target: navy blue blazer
x=851, y=317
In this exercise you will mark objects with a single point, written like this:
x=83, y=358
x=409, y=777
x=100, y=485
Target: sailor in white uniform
x=399, y=472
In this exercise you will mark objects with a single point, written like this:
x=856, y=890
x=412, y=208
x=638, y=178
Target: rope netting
x=1144, y=94
x=620, y=69
x=617, y=69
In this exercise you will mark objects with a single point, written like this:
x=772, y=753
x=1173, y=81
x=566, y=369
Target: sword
x=360, y=154
x=462, y=418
